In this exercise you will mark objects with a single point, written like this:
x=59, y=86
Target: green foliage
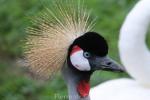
x=14, y=18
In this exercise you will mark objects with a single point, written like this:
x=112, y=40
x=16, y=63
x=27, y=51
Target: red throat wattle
x=83, y=88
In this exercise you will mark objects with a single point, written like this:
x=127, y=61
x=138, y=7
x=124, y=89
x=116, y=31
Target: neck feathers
x=77, y=83
x=133, y=50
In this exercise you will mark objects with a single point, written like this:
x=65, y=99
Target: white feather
x=120, y=89
x=135, y=56
x=79, y=61
x=133, y=51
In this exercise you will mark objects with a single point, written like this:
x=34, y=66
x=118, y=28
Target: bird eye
x=86, y=54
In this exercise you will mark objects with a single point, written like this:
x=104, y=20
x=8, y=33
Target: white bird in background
x=135, y=56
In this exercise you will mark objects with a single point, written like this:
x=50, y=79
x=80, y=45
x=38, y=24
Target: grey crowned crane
x=62, y=39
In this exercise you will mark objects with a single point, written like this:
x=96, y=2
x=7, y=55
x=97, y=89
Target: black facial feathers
x=92, y=42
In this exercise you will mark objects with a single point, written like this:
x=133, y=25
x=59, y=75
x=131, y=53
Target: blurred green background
x=15, y=17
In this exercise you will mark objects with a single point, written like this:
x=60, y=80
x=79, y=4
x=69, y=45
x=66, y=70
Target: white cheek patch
x=79, y=62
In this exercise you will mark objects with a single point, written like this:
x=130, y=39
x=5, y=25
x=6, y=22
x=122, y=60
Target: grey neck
x=72, y=79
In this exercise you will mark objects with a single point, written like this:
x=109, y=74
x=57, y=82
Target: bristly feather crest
x=53, y=32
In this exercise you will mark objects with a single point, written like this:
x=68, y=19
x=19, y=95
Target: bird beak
x=107, y=64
